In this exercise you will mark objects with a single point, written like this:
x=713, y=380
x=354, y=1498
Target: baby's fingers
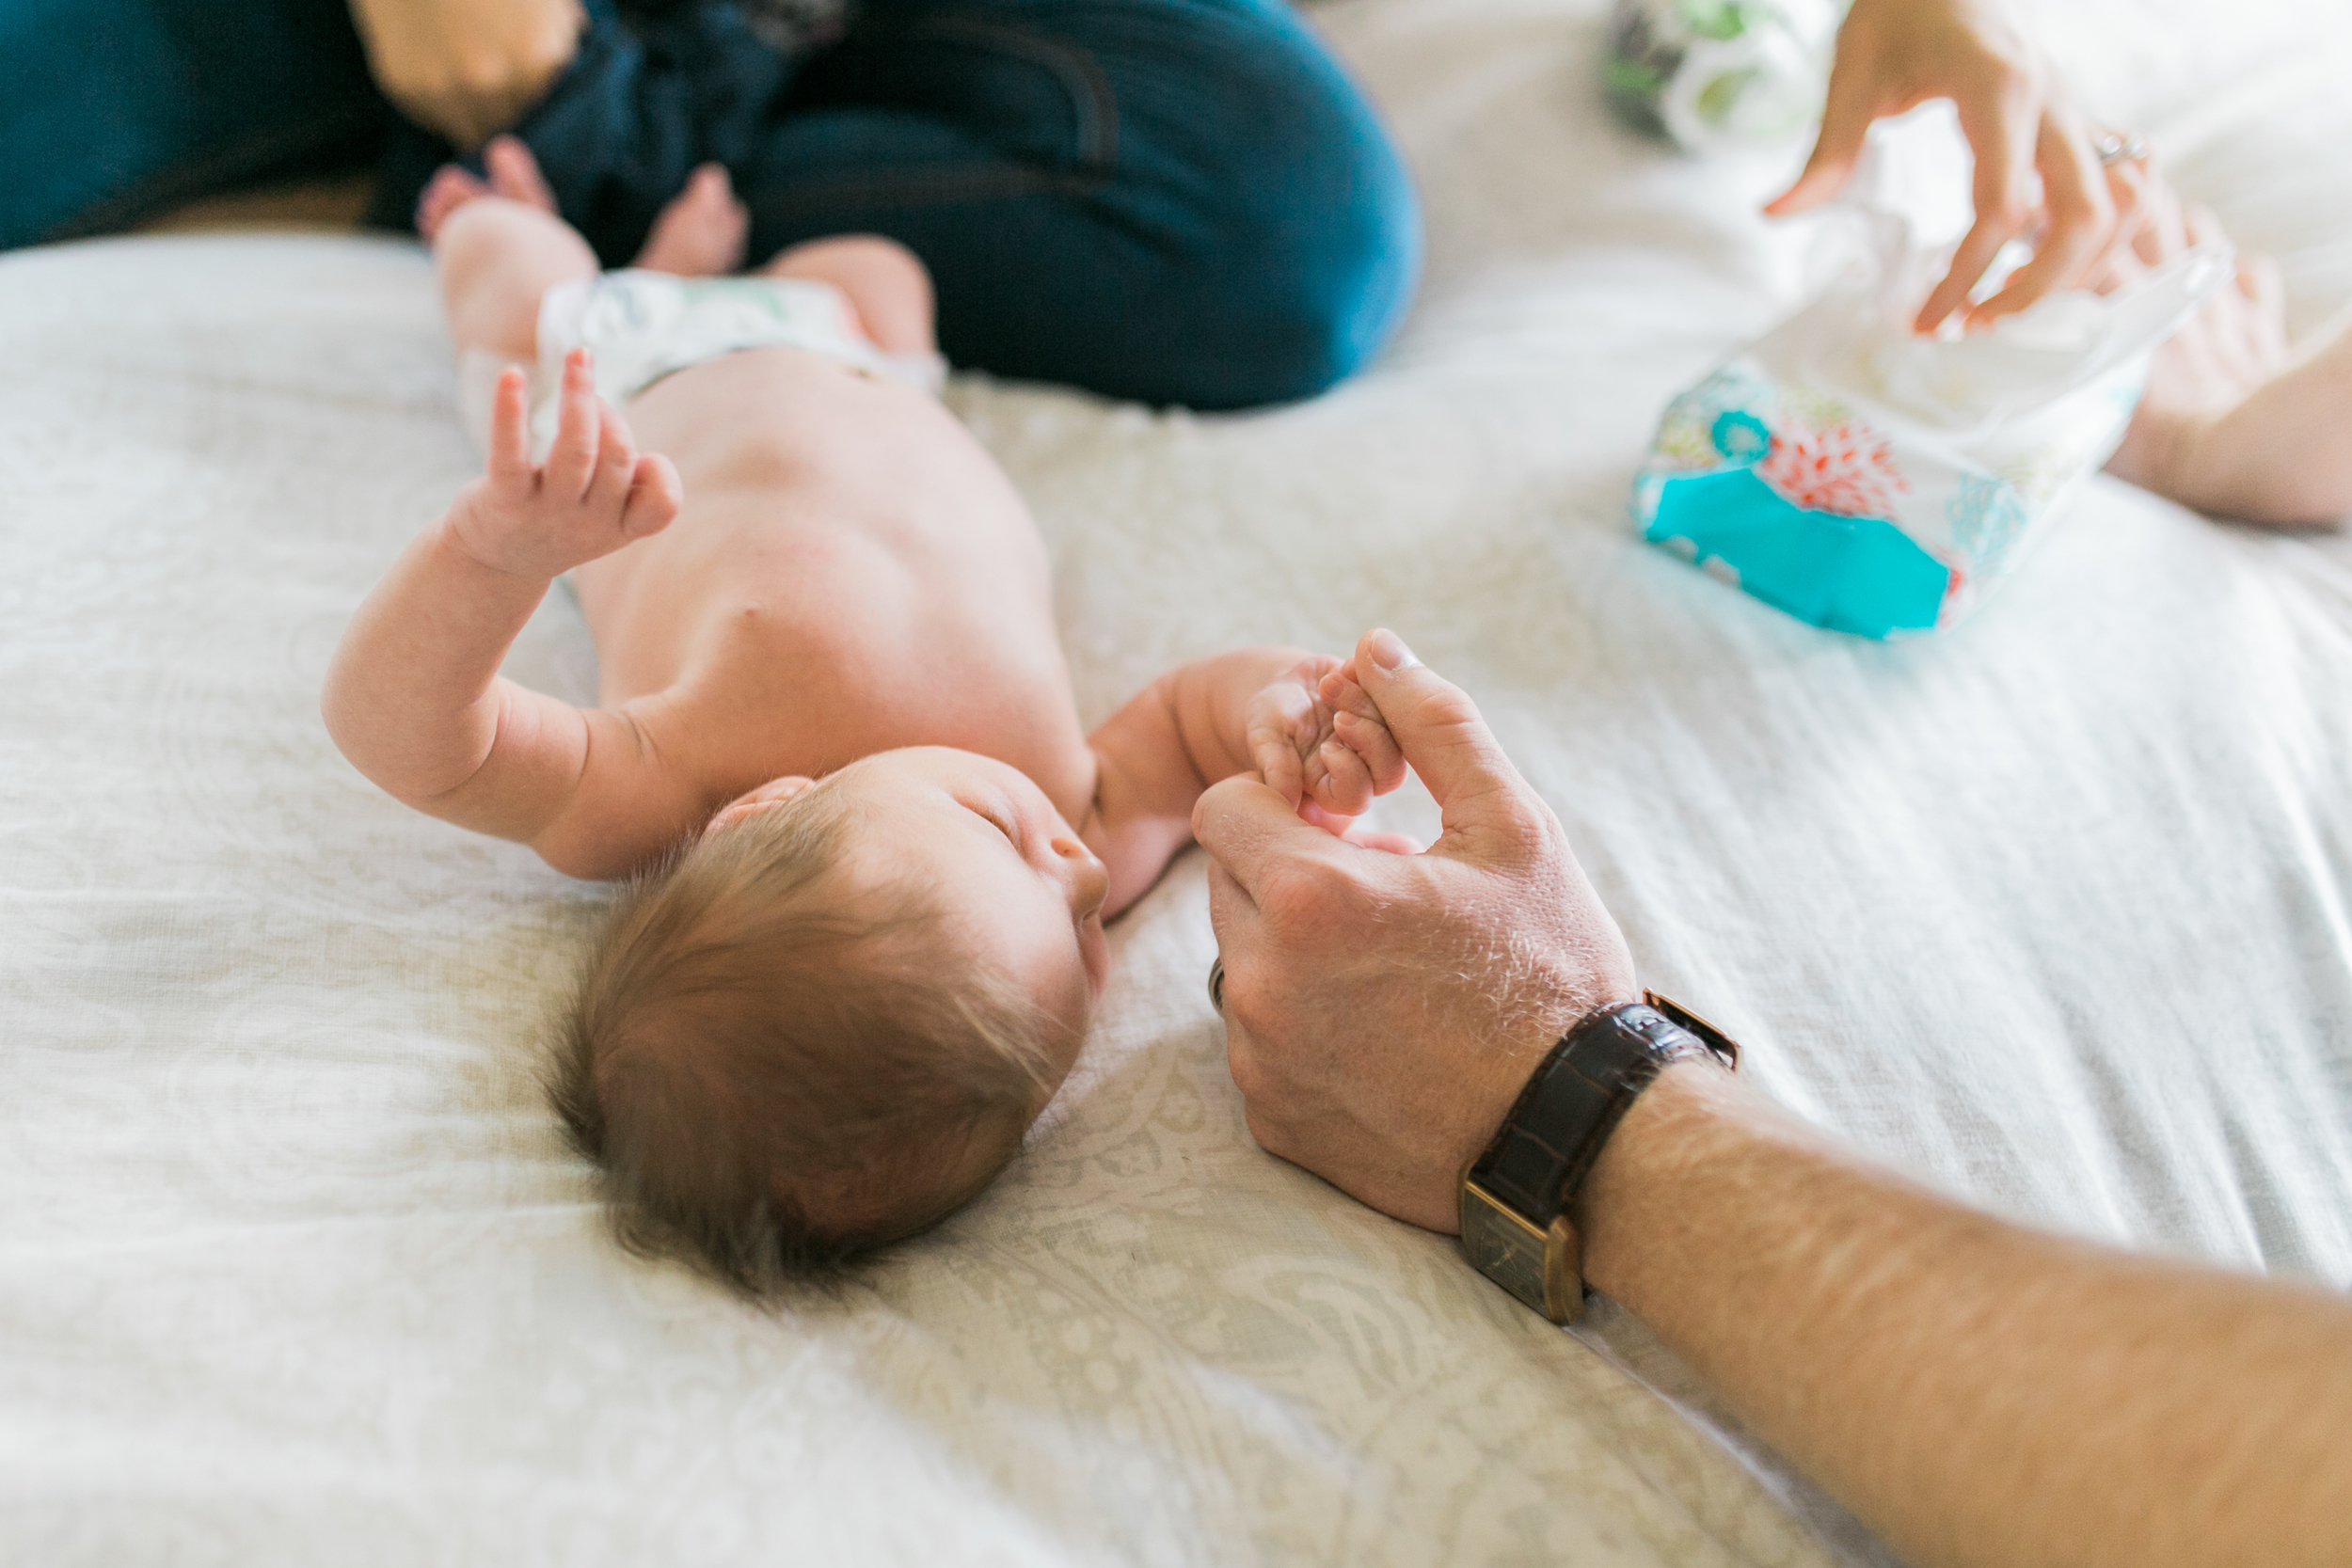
x=1342, y=786
x=1278, y=724
x=572, y=461
x=1356, y=721
x=616, y=461
x=655, y=496
x=510, y=434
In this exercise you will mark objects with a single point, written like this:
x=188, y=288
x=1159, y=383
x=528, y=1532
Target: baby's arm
x=1256, y=710
x=414, y=697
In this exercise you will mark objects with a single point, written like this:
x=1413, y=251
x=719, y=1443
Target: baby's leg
x=886, y=282
x=496, y=258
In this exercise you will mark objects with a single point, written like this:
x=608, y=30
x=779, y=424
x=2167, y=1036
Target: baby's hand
x=1327, y=759
x=595, y=495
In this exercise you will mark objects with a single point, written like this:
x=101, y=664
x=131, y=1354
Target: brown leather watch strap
x=1574, y=1099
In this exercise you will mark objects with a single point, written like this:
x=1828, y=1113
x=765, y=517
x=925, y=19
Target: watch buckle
x=1726, y=1050
x=1545, y=1268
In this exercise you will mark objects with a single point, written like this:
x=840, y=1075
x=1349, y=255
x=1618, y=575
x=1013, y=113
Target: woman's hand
x=1895, y=54
x=468, y=69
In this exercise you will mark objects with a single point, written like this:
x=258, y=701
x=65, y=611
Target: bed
x=2050, y=911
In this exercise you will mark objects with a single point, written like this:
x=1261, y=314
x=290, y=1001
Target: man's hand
x=1382, y=1009
x=467, y=68
x=1295, y=740
x=1895, y=54
x=595, y=495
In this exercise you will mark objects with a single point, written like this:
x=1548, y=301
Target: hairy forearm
x=413, y=696
x=1978, y=1393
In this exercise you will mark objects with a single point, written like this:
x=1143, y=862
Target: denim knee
x=1330, y=284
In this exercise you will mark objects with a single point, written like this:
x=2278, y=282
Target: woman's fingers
x=2081, y=220
x=1845, y=130
x=2000, y=125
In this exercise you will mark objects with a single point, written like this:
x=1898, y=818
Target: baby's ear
x=775, y=792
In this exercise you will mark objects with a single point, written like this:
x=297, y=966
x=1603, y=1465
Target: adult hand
x=1895, y=54
x=1382, y=1011
x=467, y=68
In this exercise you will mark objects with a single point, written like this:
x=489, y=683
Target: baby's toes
x=515, y=173
x=450, y=189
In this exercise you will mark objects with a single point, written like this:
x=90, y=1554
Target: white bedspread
x=295, y=1270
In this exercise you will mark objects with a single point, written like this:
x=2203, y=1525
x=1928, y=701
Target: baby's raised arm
x=1257, y=710
x=414, y=697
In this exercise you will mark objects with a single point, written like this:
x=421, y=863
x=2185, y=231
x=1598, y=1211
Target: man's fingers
x=510, y=432
x=1387, y=844
x=1249, y=830
x=572, y=460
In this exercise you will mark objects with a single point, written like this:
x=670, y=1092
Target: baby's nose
x=1089, y=879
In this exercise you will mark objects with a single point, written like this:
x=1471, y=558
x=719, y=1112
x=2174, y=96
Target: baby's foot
x=701, y=232
x=513, y=175
x=450, y=189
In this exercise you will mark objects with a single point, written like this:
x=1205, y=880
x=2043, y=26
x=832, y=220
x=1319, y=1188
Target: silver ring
x=2118, y=147
x=1217, y=984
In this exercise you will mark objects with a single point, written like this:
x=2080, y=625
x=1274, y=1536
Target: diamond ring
x=2117, y=147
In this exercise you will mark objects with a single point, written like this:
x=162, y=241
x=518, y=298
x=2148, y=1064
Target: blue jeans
x=1178, y=201
x=113, y=109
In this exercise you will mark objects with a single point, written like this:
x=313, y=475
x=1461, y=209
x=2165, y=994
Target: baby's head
x=827, y=1023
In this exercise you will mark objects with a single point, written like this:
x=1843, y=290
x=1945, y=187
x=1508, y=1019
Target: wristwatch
x=1515, y=1196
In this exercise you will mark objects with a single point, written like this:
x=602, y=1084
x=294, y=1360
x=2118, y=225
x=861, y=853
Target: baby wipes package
x=1873, y=480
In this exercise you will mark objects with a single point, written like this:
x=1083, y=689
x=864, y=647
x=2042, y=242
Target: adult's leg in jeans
x=1179, y=201
x=114, y=108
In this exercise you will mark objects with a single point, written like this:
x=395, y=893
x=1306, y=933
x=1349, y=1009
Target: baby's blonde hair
x=777, y=1076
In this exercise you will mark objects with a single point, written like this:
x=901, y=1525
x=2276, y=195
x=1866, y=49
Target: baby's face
x=987, y=837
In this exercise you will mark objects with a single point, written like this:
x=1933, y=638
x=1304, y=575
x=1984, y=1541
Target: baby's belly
x=783, y=416
x=851, y=573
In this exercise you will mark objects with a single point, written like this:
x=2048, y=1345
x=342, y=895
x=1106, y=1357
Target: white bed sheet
x=295, y=1269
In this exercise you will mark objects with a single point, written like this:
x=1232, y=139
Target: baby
x=835, y=744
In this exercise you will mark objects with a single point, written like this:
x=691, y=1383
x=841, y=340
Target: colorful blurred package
x=1867, y=479
x=1720, y=73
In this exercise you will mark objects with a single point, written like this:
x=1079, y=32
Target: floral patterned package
x=1872, y=481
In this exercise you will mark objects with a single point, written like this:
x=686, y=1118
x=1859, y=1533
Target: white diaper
x=644, y=326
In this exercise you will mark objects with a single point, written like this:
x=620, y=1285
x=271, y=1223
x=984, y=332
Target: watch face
x=1503, y=1246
